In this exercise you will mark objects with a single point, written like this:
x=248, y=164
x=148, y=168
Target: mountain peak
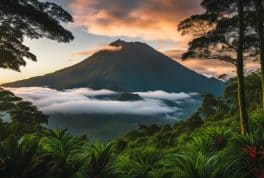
x=118, y=43
x=122, y=43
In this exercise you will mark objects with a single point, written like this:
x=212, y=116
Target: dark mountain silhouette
x=133, y=66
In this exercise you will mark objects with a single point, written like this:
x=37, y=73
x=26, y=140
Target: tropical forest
x=221, y=136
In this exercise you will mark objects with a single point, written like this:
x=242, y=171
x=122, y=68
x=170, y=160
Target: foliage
x=206, y=145
x=246, y=155
x=24, y=118
x=28, y=18
x=140, y=163
x=20, y=159
x=216, y=31
x=253, y=94
x=93, y=159
x=195, y=165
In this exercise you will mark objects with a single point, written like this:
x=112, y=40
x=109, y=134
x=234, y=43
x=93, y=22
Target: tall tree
x=220, y=34
x=244, y=126
x=259, y=7
x=32, y=19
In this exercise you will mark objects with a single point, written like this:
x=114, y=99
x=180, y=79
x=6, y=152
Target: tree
x=223, y=35
x=212, y=107
x=259, y=7
x=244, y=126
x=32, y=19
x=24, y=118
x=253, y=94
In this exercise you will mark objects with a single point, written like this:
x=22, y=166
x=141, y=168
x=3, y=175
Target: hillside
x=134, y=67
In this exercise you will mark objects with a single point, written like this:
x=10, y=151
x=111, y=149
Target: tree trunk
x=260, y=21
x=244, y=126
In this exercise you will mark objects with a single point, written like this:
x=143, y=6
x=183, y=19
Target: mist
x=88, y=101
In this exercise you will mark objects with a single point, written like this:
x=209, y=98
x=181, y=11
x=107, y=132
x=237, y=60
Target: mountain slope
x=133, y=66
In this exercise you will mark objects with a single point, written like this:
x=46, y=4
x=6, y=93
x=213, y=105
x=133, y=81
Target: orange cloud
x=148, y=19
x=89, y=52
x=210, y=67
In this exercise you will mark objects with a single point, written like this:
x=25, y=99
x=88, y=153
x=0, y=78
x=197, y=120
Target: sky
x=100, y=22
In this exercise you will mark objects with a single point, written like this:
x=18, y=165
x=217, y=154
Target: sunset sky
x=99, y=22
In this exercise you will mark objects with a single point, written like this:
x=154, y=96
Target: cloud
x=167, y=96
x=210, y=68
x=90, y=92
x=174, y=53
x=85, y=101
x=91, y=52
x=148, y=19
x=109, y=107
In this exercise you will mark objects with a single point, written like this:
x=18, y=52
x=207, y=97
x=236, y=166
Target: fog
x=88, y=101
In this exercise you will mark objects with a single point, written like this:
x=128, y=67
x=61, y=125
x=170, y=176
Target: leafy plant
x=139, y=163
x=20, y=158
x=59, y=144
x=245, y=156
x=94, y=159
x=195, y=165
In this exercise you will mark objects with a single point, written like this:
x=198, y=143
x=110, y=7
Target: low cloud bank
x=159, y=94
x=85, y=101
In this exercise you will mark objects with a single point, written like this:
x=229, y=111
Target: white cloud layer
x=159, y=94
x=84, y=101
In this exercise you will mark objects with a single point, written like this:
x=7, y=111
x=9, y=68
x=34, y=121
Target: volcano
x=127, y=67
